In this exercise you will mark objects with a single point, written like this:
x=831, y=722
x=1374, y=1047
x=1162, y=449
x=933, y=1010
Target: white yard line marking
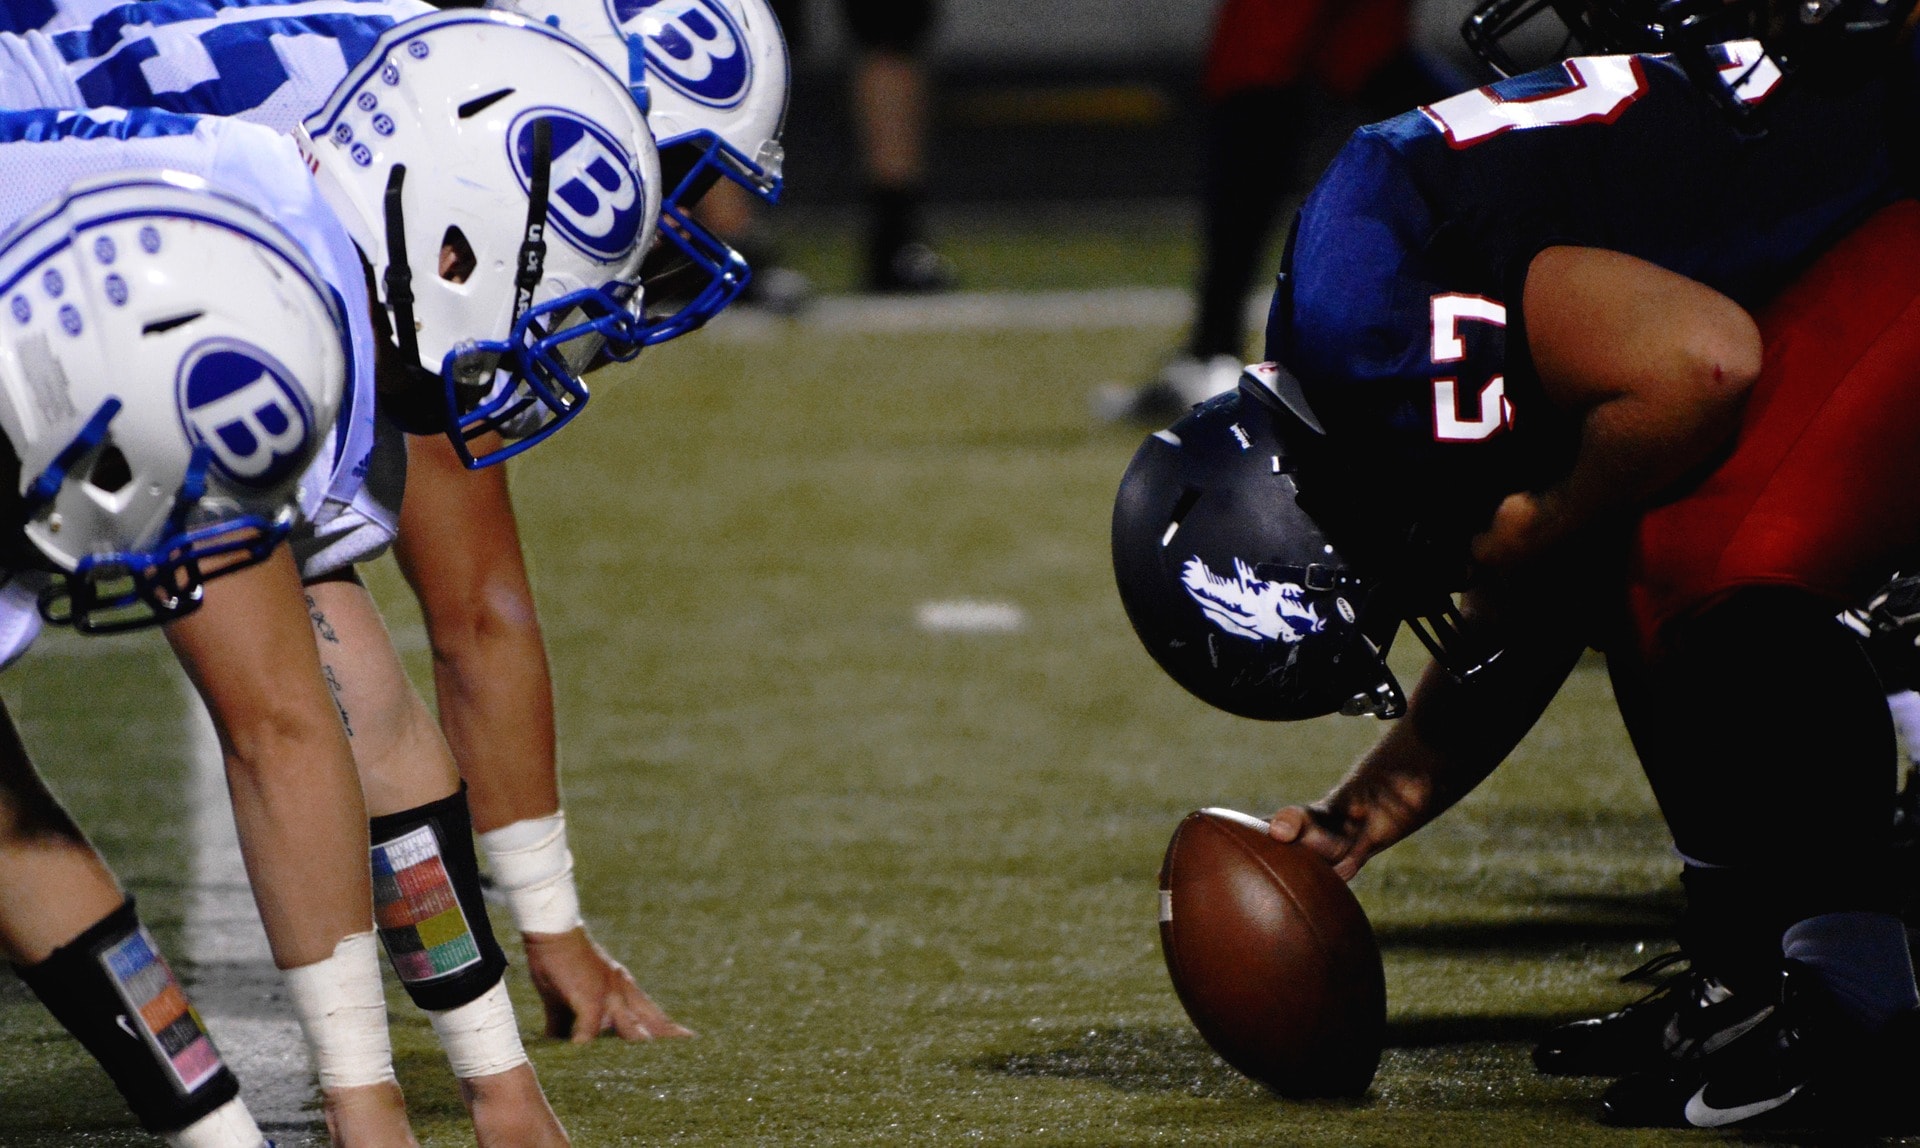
x=237, y=989
x=970, y=617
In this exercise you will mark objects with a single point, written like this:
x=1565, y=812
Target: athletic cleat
x=1890, y=627
x=1689, y=1014
x=1803, y=1065
x=912, y=269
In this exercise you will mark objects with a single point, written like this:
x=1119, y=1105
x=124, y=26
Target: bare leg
x=890, y=108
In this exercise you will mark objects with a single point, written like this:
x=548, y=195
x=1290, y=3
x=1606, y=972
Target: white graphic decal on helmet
x=597, y=197
x=692, y=45
x=1248, y=606
x=238, y=402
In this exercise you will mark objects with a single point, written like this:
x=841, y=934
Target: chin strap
x=399, y=277
x=398, y=280
x=533, y=247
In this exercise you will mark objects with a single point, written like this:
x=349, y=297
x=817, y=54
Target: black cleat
x=1804, y=1065
x=1688, y=1014
x=912, y=269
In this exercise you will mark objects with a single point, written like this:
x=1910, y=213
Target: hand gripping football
x=1272, y=957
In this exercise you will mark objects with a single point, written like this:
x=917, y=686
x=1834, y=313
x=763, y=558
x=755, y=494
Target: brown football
x=1272, y=957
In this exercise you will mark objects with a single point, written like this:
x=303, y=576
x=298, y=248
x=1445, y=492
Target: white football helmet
x=512, y=149
x=713, y=76
x=169, y=363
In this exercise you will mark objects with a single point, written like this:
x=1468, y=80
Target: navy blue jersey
x=1399, y=310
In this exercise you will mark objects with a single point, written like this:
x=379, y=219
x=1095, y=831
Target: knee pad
x=113, y=991
x=428, y=906
x=891, y=25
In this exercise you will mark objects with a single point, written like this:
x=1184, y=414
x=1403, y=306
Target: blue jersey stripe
x=46, y=125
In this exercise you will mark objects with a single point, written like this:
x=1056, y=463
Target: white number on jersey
x=1598, y=89
x=1493, y=413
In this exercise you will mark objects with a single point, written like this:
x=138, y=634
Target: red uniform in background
x=1278, y=43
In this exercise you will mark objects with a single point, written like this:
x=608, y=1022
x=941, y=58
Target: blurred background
x=1154, y=148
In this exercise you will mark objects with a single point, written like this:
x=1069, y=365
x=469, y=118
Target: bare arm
x=296, y=795
x=53, y=886
x=1453, y=736
x=459, y=549
x=1656, y=366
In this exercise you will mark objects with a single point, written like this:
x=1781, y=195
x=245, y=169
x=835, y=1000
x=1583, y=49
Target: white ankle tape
x=343, y=1012
x=533, y=869
x=228, y=1126
x=480, y=1037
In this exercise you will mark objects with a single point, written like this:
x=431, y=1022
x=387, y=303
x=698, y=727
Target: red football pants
x=1822, y=488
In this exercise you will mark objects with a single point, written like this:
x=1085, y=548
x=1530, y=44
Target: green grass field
x=902, y=882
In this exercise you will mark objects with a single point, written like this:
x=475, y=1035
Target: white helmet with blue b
x=504, y=187
x=170, y=362
x=713, y=76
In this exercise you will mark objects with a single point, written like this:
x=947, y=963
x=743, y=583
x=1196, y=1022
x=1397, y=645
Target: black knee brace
x=428, y=906
x=111, y=989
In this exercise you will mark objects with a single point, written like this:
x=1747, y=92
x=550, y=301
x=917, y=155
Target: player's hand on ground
x=586, y=992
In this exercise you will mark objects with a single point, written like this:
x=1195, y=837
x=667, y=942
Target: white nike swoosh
x=1700, y=1114
x=121, y=1020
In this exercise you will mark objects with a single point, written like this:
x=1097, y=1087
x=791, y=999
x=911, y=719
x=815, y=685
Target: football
x=1272, y=956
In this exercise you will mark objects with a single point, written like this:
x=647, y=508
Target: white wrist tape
x=343, y=1012
x=228, y=1126
x=480, y=1037
x=533, y=870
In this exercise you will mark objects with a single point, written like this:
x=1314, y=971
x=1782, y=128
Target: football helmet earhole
x=110, y=470
x=457, y=260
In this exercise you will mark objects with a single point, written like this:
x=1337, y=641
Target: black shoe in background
x=911, y=269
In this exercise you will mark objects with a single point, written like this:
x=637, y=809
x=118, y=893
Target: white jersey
x=43, y=152
x=271, y=62
x=51, y=15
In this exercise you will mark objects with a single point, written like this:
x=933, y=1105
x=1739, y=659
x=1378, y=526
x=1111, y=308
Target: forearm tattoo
x=321, y=626
x=325, y=630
